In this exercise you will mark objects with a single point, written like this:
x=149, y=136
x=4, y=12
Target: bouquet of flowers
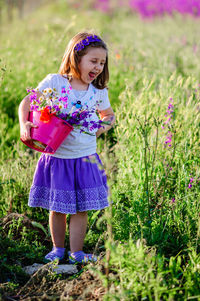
x=50, y=103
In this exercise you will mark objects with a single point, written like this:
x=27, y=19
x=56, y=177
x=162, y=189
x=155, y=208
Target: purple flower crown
x=85, y=42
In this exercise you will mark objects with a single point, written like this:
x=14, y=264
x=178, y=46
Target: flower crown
x=85, y=42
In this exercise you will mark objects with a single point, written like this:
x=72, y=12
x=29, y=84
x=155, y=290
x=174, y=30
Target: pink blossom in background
x=151, y=8
x=102, y=5
x=190, y=183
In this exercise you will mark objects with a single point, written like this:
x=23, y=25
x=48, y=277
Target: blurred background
x=146, y=8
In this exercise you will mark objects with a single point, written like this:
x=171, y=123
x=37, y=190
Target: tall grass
x=155, y=237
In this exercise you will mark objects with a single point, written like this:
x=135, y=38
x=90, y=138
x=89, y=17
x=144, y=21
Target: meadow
x=150, y=235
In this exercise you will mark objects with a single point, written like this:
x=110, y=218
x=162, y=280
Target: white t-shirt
x=77, y=144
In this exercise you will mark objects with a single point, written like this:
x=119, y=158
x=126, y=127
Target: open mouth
x=92, y=75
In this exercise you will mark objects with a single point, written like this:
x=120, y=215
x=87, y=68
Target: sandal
x=56, y=253
x=81, y=257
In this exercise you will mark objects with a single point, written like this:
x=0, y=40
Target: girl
x=70, y=181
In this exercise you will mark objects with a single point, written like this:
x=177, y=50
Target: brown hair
x=72, y=58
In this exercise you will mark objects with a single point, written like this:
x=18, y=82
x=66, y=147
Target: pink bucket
x=48, y=136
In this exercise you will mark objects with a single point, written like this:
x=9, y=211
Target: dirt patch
x=87, y=286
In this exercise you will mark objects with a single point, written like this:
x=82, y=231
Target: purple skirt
x=69, y=185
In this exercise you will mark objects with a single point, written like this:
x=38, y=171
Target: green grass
x=155, y=216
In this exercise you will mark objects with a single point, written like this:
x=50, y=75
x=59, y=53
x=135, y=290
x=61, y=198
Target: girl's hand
x=99, y=132
x=25, y=128
x=108, y=117
x=25, y=125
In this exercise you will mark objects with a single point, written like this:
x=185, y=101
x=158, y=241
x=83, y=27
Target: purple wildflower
x=168, y=139
x=34, y=107
x=33, y=97
x=83, y=115
x=56, y=108
x=99, y=125
x=64, y=99
x=85, y=124
x=62, y=116
x=75, y=114
x=94, y=125
x=190, y=183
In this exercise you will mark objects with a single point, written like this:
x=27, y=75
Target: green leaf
x=38, y=225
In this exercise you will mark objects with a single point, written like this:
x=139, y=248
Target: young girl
x=70, y=181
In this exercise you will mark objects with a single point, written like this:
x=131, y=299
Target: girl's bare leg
x=57, y=223
x=77, y=230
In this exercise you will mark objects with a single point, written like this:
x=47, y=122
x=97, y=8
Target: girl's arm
x=106, y=115
x=25, y=125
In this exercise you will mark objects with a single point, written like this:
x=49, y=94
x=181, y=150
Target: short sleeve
x=47, y=82
x=103, y=102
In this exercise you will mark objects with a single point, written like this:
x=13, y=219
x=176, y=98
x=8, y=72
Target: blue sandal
x=81, y=257
x=56, y=253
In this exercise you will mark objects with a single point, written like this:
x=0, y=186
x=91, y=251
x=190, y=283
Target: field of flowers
x=152, y=8
x=151, y=233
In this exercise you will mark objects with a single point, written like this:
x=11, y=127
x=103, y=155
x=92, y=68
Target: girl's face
x=92, y=64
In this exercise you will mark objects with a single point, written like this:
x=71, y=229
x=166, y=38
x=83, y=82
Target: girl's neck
x=77, y=84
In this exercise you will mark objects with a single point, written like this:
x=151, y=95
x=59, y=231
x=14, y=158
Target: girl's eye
x=94, y=62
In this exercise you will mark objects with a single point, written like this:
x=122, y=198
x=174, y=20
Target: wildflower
x=34, y=107
x=169, y=139
x=94, y=125
x=190, y=183
x=49, y=90
x=61, y=106
x=117, y=56
x=41, y=98
x=65, y=99
x=168, y=115
x=45, y=115
x=83, y=115
x=33, y=97
x=170, y=110
x=75, y=114
x=85, y=124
